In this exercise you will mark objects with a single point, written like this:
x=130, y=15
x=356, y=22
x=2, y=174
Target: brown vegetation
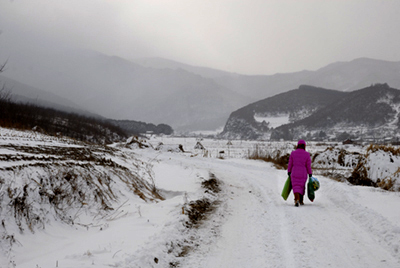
x=278, y=158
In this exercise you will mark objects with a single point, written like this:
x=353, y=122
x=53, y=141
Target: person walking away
x=298, y=168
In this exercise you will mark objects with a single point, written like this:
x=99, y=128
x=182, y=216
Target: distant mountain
x=183, y=96
x=356, y=74
x=161, y=63
x=119, y=89
x=138, y=128
x=317, y=113
x=292, y=105
x=20, y=92
x=343, y=76
x=369, y=113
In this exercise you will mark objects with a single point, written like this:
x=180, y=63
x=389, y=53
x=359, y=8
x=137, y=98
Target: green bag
x=287, y=188
x=310, y=190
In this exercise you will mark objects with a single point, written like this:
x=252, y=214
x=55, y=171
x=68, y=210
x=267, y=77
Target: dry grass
x=200, y=209
x=386, y=184
x=68, y=181
x=372, y=148
x=277, y=157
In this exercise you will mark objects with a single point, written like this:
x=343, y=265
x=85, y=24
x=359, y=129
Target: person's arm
x=290, y=165
x=308, y=166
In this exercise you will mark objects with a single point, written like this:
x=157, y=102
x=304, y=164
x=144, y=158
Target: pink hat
x=301, y=142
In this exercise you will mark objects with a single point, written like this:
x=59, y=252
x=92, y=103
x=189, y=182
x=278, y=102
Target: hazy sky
x=246, y=36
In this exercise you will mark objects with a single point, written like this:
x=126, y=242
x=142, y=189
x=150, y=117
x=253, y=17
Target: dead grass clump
x=334, y=175
x=200, y=209
x=389, y=182
x=315, y=155
x=197, y=212
x=341, y=158
x=372, y=148
x=277, y=157
x=212, y=184
x=386, y=184
x=359, y=176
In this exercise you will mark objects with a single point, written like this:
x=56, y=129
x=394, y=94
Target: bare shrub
x=341, y=158
x=200, y=209
x=386, y=184
x=212, y=184
x=372, y=148
x=277, y=157
x=359, y=176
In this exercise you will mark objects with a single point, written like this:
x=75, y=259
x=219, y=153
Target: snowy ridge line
x=181, y=238
x=34, y=137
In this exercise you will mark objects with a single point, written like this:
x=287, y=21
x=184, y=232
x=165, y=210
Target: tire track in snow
x=251, y=235
x=261, y=230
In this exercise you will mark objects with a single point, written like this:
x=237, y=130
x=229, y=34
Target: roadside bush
x=277, y=157
x=386, y=184
x=372, y=148
x=200, y=209
x=378, y=168
x=359, y=176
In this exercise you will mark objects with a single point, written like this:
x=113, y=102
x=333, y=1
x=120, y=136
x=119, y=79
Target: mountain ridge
x=189, y=98
x=372, y=111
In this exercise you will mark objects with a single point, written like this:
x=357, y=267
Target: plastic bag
x=287, y=188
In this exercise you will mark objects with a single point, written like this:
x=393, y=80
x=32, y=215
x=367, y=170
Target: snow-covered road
x=345, y=226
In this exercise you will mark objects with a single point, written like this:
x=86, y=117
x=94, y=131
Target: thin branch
x=2, y=67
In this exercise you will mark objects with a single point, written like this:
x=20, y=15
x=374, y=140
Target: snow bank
x=44, y=180
x=381, y=165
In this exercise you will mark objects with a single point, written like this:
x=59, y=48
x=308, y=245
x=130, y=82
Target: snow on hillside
x=273, y=121
x=250, y=225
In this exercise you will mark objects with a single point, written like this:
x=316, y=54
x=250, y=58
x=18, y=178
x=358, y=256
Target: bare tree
x=2, y=67
x=5, y=95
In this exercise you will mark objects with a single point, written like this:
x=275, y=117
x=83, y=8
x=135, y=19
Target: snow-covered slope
x=320, y=114
x=295, y=105
x=249, y=226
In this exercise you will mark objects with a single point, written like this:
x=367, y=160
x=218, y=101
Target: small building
x=348, y=141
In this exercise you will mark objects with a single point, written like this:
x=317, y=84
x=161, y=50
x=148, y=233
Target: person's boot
x=296, y=199
x=301, y=200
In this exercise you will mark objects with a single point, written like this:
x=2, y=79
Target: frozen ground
x=346, y=226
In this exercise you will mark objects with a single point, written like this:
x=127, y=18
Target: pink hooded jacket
x=299, y=166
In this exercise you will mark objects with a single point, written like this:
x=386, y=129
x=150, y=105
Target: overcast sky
x=243, y=36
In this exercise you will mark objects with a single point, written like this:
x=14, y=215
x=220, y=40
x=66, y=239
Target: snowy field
x=252, y=226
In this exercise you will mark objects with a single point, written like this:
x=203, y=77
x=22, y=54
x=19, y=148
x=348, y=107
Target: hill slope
x=290, y=106
x=20, y=92
x=313, y=113
x=371, y=112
